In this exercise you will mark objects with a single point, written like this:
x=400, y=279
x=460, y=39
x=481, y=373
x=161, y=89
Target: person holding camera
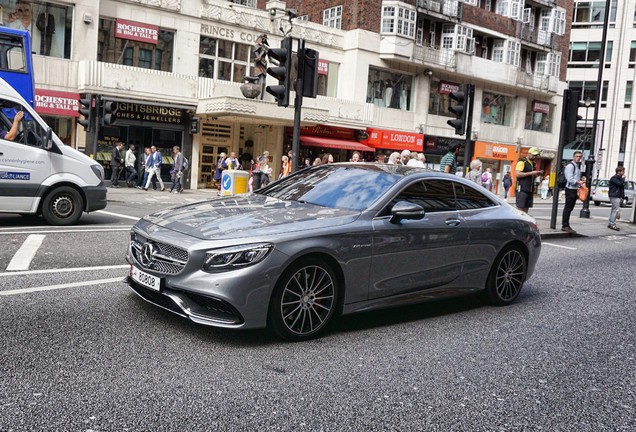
x=526, y=172
x=616, y=193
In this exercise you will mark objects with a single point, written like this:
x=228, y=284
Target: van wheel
x=63, y=206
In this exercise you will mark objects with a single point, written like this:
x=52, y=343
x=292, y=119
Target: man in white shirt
x=130, y=161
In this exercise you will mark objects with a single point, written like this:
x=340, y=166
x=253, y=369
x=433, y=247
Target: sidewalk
x=592, y=227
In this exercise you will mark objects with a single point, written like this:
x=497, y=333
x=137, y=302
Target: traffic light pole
x=468, y=146
x=298, y=103
x=562, y=139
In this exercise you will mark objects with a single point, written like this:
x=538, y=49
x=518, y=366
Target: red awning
x=313, y=141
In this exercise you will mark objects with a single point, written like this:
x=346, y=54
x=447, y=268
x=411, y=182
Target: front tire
x=597, y=203
x=63, y=206
x=506, y=277
x=304, y=301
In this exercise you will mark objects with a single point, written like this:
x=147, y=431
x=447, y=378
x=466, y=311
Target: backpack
x=484, y=178
x=185, y=164
x=561, y=181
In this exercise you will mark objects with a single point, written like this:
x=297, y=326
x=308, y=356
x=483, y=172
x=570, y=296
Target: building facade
x=386, y=69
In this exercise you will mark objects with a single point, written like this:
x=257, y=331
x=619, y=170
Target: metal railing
x=426, y=55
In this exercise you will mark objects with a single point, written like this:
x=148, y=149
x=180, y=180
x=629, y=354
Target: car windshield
x=343, y=186
x=603, y=183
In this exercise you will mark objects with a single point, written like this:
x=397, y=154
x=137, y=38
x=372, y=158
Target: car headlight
x=98, y=170
x=235, y=256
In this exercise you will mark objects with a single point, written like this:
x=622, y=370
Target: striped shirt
x=448, y=159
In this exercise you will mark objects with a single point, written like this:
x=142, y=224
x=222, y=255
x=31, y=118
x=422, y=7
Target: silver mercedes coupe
x=331, y=240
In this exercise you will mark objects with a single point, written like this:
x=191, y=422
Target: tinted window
x=336, y=186
x=470, y=198
x=432, y=195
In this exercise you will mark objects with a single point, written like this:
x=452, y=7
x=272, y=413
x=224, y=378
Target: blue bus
x=16, y=62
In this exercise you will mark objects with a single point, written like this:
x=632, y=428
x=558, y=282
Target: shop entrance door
x=163, y=139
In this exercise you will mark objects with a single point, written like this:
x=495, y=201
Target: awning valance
x=314, y=141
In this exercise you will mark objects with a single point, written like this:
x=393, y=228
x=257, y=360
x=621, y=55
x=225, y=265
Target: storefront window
x=153, y=51
x=389, y=89
x=440, y=100
x=62, y=127
x=539, y=116
x=497, y=109
x=49, y=25
x=223, y=60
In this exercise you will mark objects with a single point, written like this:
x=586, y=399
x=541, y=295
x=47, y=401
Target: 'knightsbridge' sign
x=150, y=113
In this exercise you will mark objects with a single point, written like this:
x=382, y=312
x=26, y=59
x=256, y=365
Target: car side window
x=432, y=195
x=471, y=198
x=29, y=131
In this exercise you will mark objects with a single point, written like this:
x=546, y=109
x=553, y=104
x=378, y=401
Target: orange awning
x=313, y=141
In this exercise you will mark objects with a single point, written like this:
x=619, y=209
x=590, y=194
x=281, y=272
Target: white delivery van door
x=24, y=163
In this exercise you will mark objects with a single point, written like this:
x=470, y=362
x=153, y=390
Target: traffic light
x=460, y=109
x=108, y=109
x=87, y=109
x=572, y=117
x=310, y=73
x=282, y=72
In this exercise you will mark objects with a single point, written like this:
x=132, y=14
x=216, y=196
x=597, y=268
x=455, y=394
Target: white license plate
x=145, y=279
x=604, y=192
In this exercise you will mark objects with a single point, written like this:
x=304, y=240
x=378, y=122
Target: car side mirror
x=49, y=139
x=406, y=210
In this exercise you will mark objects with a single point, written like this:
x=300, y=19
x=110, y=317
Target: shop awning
x=313, y=141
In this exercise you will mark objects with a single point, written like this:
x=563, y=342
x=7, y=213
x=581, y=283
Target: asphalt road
x=81, y=352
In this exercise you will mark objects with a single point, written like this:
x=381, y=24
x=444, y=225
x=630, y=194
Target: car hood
x=248, y=215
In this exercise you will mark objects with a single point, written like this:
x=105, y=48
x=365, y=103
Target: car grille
x=166, y=259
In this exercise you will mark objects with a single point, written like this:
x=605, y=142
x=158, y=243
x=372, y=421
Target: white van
x=41, y=175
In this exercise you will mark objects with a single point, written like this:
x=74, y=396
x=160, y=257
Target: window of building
x=592, y=14
x=623, y=140
x=223, y=60
x=629, y=88
x=332, y=17
x=112, y=49
x=328, y=78
x=387, y=89
x=510, y=8
x=632, y=55
x=587, y=89
x=398, y=20
x=49, y=25
x=539, y=116
x=552, y=20
x=439, y=100
x=497, y=109
x=248, y=3
x=458, y=38
x=548, y=64
x=585, y=54
x=506, y=51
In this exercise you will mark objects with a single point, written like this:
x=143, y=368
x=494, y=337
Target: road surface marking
x=68, y=231
x=65, y=270
x=118, y=215
x=61, y=286
x=558, y=246
x=23, y=257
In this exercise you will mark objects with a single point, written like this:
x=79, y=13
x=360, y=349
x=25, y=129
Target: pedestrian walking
x=285, y=168
x=616, y=194
x=176, y=172
x=545, y=187
x=507, y=183
x=573, y=177
x=474, y=175
x=486, y=178
x=218, y=173
x=130, y=163
x=526, y=171
x=115, y=162
x=448, y=163
x=154, y=168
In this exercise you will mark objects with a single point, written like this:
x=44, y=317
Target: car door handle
x=452, y=222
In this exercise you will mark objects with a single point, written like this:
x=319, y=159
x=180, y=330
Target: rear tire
x=62, y=206
x=597, y=203
x=304, y=301
x=506, y=277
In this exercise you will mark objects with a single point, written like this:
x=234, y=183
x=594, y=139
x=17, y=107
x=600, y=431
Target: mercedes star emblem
x=148, y=251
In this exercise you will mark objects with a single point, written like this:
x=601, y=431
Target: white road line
x=558, y=246
x=135, y=218
x=61, y=286
x=65, y=270
x=23, y=257
x=68, y=231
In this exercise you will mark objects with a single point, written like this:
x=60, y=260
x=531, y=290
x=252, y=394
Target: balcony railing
x=540, y=82
x=450, y=8
x=536, y=36
x=426, y=55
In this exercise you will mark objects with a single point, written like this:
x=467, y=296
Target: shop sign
x=541, y=107
x=446, y=87
x=59, y=103
x=495, y=151
x=387, y=139
x=150, y=113
x=328, y=131
x=436, y=145
x=323, y=67
x=229, y=33
x=136, y=31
